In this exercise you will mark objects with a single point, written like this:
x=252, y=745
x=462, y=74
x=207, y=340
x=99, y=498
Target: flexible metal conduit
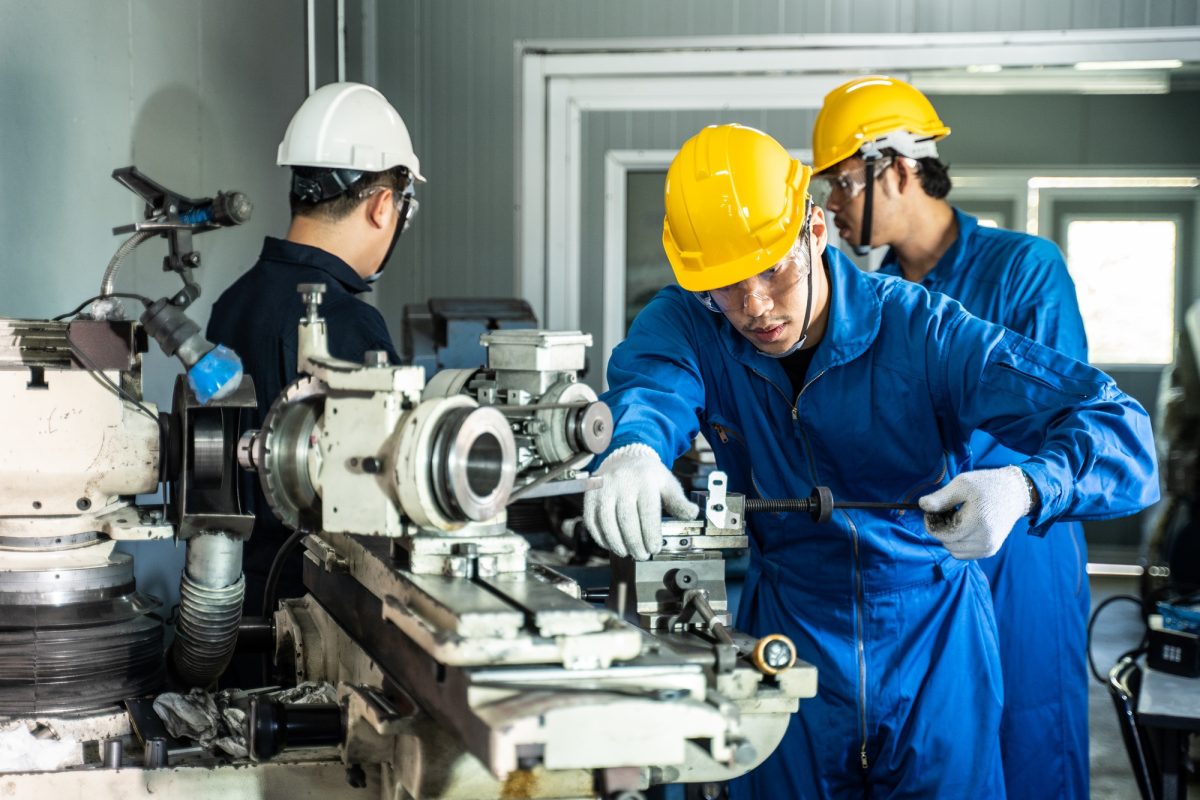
x=114, y=264
x=210, y=608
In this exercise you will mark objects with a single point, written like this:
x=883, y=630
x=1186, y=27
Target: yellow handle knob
x=774, y=654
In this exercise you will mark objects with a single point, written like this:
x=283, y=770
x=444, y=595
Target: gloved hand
x=624, y=514
x=990, y=501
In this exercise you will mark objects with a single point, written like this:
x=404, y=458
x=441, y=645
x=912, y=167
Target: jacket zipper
x=726, y=434
x=862, y=656
x=859, y=602
x=795, y=404
x=1042, y=381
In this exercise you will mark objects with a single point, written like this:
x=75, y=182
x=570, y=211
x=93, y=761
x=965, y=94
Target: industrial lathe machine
x=460, y=663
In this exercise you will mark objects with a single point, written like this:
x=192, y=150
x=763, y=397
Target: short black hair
x=335, y=209
x=935, y=177
x=933, y=174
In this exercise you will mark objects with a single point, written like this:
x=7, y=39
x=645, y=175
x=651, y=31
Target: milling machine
x=469, y=669
x=465, y=665
x=80, y=443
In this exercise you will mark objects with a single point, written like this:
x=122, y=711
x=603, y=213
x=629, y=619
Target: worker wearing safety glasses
x=802, y=370
x=353, y=171
x=877, y=170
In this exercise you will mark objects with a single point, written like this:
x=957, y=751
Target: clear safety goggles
x=771, y=285
x=402, y=196
x=846, y=185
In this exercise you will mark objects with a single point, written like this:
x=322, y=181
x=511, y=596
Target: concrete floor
x=1118, y=629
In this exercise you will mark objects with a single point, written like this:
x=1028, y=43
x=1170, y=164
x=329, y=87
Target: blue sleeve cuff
x=1052, y=499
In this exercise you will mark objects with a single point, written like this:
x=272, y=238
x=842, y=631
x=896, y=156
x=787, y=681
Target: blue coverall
x=1039, y=584
x=902, y=633
x=257, y=317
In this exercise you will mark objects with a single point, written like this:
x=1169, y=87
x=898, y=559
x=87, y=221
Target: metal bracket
x=717, y=512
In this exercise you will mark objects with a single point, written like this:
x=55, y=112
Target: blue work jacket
x=1039, y=585
x=1015, y=280
x=900, y=381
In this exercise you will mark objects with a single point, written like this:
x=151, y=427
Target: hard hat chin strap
x=377, y=274
x=807, y=318
x=864, y=238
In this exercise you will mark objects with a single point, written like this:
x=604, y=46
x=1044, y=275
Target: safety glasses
x=846, y=185
x=406, y=202
x=771, y=285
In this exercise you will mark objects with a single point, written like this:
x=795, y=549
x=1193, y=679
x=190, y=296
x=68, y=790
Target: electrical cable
x=125, y=295
x=1133, y=653
x=96, y=372
x=272, y=587
x=276, y=569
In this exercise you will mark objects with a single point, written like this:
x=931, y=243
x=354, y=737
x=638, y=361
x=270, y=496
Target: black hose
x=273, y=574
x=1137, y=651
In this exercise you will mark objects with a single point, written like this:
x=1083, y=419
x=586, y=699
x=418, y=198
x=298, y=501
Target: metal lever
x=820, y=505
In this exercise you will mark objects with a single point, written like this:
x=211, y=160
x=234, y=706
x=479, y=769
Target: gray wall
x=991, y=131
x=459, y=81
x=196, y=94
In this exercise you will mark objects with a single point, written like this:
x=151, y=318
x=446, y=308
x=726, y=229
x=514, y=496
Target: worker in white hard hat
x=353, y=172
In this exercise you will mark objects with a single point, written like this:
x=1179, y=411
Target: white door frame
x=617, y=166
x=559, y=80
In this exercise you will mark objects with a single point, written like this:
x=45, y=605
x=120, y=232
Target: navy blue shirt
x=257, y=318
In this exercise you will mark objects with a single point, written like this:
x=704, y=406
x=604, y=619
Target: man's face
x=769, y=308
x=841, y=190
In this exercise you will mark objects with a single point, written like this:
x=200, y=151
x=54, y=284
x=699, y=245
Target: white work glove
x=625, y=513
x=989, y=502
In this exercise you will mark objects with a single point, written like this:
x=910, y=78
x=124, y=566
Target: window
x=646, y=267
x=1124, y=273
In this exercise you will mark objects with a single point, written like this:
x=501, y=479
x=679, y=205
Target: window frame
x=1064, y=214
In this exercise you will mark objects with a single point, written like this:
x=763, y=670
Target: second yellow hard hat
x=869, y=109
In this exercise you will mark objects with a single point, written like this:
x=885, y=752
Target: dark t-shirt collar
x=308, y=256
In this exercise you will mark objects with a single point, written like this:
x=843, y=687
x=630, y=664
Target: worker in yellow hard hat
x=879, y=173
x=802, y=370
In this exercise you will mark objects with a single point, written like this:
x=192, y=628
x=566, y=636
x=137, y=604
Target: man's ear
x=905, y=174
x=378, y=208
x=820, y=231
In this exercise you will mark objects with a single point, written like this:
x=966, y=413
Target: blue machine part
x=216, y=374
x=1184, y=618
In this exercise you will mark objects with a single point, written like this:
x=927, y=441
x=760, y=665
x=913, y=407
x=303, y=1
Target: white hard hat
x=348, y=126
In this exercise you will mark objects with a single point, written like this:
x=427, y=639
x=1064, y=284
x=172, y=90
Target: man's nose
x=756, y=304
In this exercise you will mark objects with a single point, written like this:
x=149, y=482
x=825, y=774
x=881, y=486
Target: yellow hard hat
x=875, y=109
x=735, y=203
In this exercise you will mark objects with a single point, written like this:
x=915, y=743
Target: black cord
x=1137, y=651
x=272, y=588
x=96, y=372
x=127, y=295
x=277, y=569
